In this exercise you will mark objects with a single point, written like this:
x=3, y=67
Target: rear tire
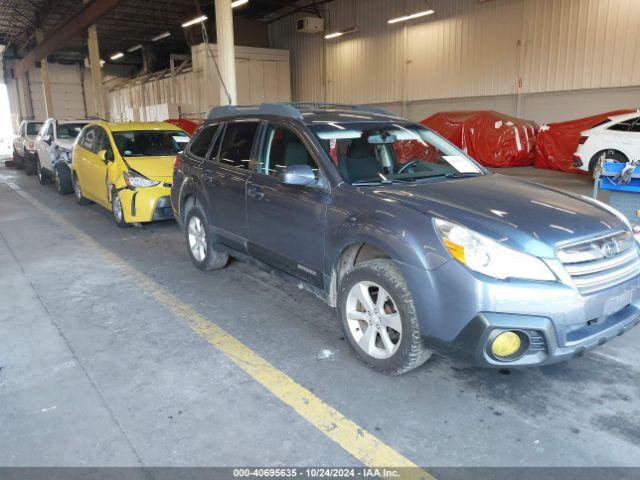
x=379, y=319
x=77, y=190
x=116, y=209
x=609, y=154
x=198, y=236
x=62, y=178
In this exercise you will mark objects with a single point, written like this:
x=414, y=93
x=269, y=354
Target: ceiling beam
x=85, y=18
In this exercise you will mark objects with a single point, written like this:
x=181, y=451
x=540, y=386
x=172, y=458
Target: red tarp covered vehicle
x=189, y=125
x=491, y=138
x=557, y=142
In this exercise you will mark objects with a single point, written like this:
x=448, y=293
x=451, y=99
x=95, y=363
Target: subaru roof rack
x=279, y=109
x=344, y=106
x=290, y=110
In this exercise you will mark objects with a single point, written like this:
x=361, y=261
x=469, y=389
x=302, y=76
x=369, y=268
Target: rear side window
x=200, y=144
x=237, y=144
x=623, y=126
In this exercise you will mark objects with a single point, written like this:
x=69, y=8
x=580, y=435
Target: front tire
x=18, y=161
x=198, y=238
x=117, y=210
x=77, y=190
x=43, y=177
x=379, y=319
x=29, y=164
x=63, y=180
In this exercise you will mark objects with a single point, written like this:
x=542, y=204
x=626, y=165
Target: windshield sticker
x=461, y=164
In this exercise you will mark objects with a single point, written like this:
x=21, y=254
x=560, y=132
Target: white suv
x=618, y=138
x=24, y=141
x=53, y=152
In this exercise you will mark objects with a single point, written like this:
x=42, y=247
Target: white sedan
x=618, y=138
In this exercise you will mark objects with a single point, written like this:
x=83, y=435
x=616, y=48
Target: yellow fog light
x=506, y=344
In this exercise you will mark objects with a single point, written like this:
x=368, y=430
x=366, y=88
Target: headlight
x=486, y=256
x=609, y=209
x=135, y=180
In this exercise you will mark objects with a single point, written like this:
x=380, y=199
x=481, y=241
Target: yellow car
x=127, y=168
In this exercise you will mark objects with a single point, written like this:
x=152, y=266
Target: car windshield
x=374, y=153
x=150, y=143
x=33, y=128
x=69, y=131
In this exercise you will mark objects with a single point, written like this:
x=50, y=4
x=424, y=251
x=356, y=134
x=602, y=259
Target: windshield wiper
x=372, y=183
x=463, y=175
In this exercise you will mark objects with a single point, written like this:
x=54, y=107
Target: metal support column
x=46, y=82
x=96, y=72
x=226, y=52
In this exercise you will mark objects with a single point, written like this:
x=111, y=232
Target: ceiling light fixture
x=134, y=48
x=329, y=36
x=411, y=17
x=199, y=19
x=238, y=3
x=160, y=36
x=116, y=56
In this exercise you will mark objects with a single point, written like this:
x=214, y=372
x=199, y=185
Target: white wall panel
x=467, y=48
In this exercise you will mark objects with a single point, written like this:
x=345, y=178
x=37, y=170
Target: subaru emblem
x=610, y=248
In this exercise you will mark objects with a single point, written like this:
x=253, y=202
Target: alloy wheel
x=373, y=320
x=197, y=238
x=117, y=208
x=77, y=189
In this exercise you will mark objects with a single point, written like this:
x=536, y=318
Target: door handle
x=256, y=192
x=207, y=176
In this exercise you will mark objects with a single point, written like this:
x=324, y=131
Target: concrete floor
x=94, y=371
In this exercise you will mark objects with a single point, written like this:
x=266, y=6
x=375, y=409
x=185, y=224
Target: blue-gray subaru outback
x=417, y=246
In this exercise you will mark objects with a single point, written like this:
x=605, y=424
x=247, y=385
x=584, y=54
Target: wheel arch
x=596, y=156
x=349, y=255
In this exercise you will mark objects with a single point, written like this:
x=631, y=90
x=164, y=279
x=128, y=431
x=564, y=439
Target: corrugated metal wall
x=579, y=44
x=262, y=76
x=468, y=48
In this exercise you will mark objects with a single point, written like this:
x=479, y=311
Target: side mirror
x=46, y=139
x=106, y=155
x=299, y=175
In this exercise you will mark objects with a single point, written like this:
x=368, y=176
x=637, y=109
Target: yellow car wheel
x=117, y=210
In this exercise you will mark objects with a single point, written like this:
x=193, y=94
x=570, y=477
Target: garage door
x=66, y=88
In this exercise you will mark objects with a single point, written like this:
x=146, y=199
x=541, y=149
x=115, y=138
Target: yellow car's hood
x=155, y=168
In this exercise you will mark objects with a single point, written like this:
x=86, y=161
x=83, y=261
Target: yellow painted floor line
x=364, y=446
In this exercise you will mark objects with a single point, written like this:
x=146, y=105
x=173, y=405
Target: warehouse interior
x=116, y=352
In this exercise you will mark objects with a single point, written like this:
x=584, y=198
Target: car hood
x=65, y=143
x=155, y=168
x=521, y=214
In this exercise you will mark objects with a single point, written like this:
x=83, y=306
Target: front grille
x=601, y=263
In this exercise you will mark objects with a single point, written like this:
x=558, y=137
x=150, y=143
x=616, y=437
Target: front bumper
x=463, y=312
x=144, y=205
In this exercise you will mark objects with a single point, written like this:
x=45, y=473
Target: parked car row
x=417, y=246
x=616, y=138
